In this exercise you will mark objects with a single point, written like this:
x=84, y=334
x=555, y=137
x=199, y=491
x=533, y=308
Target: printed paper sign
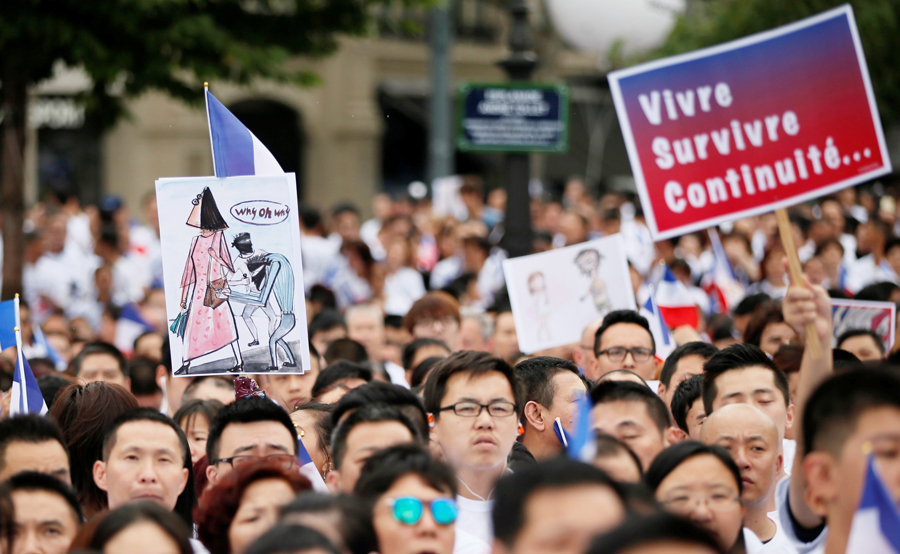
x=743, y=128
x=880, y=317
x=556, y=294
x=233, y=277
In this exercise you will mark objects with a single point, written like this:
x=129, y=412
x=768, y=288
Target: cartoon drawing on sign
x=248, y=276
x=588, y=262
x=537, y=288
x=278, y=281
x=210, y=321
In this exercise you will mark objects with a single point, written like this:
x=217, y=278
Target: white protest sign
x=556, y=294
x=880, y=317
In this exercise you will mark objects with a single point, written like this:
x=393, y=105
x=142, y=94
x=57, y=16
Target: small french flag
x=722, y=284
x=26, y=395
x=876, y=524
x=236, y=151
x=665, y=343
x=675, y=302
x=308, y=469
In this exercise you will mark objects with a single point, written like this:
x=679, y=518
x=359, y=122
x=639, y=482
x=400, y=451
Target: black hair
x=393, y=321
x=688, y=392
x=50, y=386
x=654, y=528
x=338, y=371
x=474, y=364
x=33, y=481
x=187, y=500
x=513, y=491
x=536, y=375
x=220, y=381
x=247, y=410
x=344, y=207
x=697, y=348
x=98, y=347
x=116, y=521
x=370, y=413
x=383, y=393
x=290, y=539
x=326, y=320
x=210, y=217
x=842, y=360
x=608, y=446
x=835, y=407
x=310, y=217
x=621, y=316
x=243, y=243
x=607, y=376
x=669, y=459
x=197, y=406
x=108, y=235
x=421, y=371
x=166, y=359
x=734, y=357
x=628, y=391
x=30, y=428
x=764, y=316
x=142, y=372
x=346, y=349
x=320, y=294
x=748, y=304
x=409, y=351
x=322, y=424
x=355, y=526
x=877, y=292
x=850, y=333
x=389, y=465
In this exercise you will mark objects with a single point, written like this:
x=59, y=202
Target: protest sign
x=233, y=274
x=749, y=126
x=880, y=317
x=555, y=294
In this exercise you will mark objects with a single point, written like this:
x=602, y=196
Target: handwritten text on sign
x=746, y=127
x=260, y=212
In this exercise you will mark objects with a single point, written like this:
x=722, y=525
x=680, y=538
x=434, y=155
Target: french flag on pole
x=675, y=302
x=876, y=524
x=26, y=396
x=236, y=151
x=665, y=343
x=722, y=284
x=308, y=469
x=581, y=445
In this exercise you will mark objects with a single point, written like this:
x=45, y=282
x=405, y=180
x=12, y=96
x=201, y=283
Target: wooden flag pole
x=787, y=240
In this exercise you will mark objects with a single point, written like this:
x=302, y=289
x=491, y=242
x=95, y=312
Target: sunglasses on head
x=409, y=509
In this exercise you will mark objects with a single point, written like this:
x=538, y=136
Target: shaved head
x=738, y=418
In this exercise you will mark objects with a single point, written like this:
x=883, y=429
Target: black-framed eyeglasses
x=618, y=353
x=284, y=461
x=473, y=409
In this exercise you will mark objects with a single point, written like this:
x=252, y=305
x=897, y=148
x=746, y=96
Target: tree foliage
x=710, y=22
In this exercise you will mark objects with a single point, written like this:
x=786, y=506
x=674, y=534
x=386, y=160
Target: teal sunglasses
x=409, y=509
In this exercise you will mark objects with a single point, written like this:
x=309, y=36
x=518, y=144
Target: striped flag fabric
x=236, y=151
x=308, y=469
x=722, y=285
x=665, y=342
x=581, y=444
x=876, y=524
x=675, y=302
x=26, y=395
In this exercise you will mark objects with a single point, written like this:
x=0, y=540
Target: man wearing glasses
x=247, y=430
x=624, y=341
x=474, y=401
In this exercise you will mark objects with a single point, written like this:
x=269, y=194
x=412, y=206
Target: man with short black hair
x=635, y=415
x=624, y=341
x=30, y=442
x=552, y=389
x=556, y=506
x=326, y=327
x=745, y=309
x=361, y=434
x=865, y=344
x=504, y=343
x=47, y=514
x=100, y=361
x=743, y=373
x=210, y=387
x=683, y=363
x=379, y=392
x=474, y=400
x=687, y=407
x=146, y=457
x=247, y=430
x=339, y=378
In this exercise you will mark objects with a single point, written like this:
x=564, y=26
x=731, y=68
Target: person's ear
x=661, y=390
x=499, y=547
x=99, y=472
x=674, y=435
x=821, y=489
x=534, y=416
x=779, y=464
x=184, y=480
x=789, y=420
x=212, y=474
x=333, y=480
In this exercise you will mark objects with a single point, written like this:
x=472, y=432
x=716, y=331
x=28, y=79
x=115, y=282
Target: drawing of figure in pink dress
x=210, y=323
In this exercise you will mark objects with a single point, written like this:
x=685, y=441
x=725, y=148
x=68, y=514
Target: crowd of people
x=425, y=426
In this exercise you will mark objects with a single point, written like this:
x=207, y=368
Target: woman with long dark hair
x=210, y=321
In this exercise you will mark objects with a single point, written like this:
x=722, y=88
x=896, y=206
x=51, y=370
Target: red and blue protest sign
x=745, y=127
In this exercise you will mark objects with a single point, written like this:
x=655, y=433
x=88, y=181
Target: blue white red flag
x=876, y=524
x=308, y=469
x=236, y=151
x=675, y=302
x=582, y=445
x=26, y=395
x=722, y=285
x=665, y=342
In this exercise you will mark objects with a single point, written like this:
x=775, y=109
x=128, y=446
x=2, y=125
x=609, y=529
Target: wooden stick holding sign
x=787, y=240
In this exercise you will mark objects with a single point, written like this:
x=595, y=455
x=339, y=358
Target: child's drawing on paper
x=588, y=262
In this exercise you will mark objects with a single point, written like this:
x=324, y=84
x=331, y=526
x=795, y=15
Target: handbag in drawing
x=210, y=298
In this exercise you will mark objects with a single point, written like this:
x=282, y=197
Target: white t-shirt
x=789, y=450
x=782, y=519
x=779, y=543
x=401, y=289
x=474, y=530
